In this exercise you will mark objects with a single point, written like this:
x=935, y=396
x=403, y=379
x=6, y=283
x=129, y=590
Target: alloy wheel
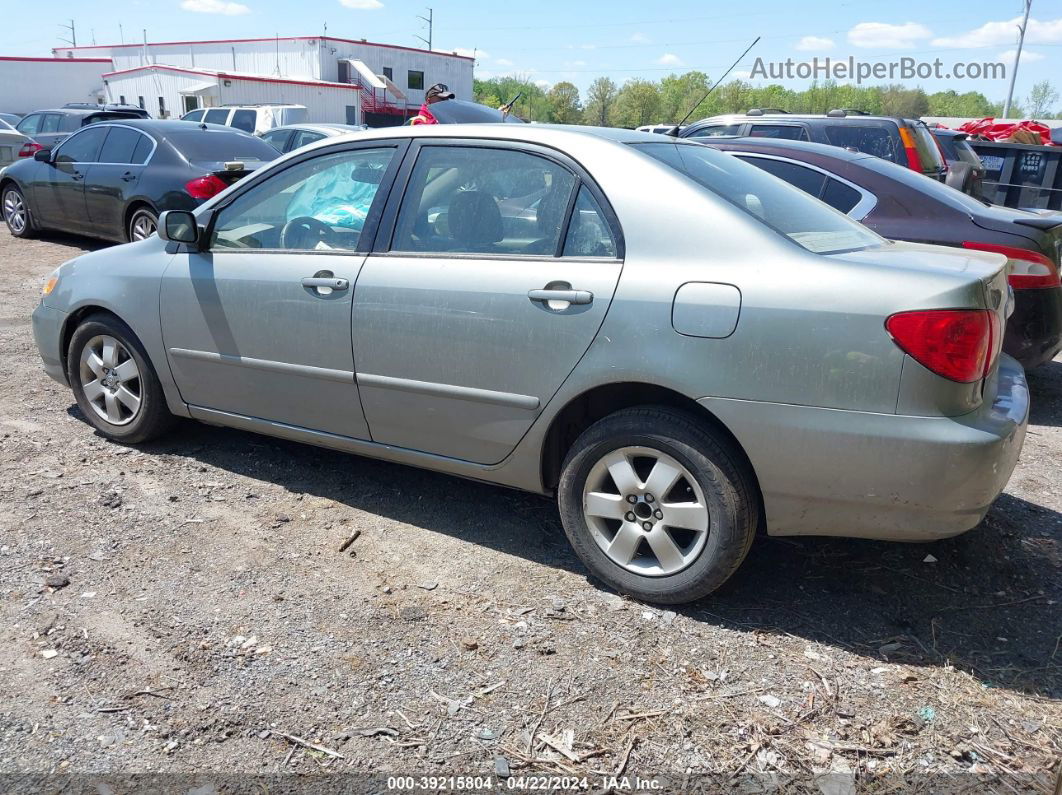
x=646, y=511
x=111, y=380
x=143, y=227
x=15, y=211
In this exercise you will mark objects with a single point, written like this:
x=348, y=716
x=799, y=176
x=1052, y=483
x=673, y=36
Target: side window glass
x=120, y=144
x=318, y=205
x=195, y=115
x=82, y=147
x=840, y=196
x=483, y=201
x=716, y=130
x=304, y=137
x=142, y=151
x=277, y=138
x=216, y=116
x=244, y=120
x=50, y=123
x=588, y=233
x=790, y=132
x=31, y=125
x=808, y=180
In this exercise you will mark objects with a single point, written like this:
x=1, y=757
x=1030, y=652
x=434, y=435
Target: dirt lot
x=184, y=606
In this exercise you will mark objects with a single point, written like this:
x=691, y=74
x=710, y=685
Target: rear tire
x=657, y=504
x=114, y=383
x=142, y=224
x=16, y=212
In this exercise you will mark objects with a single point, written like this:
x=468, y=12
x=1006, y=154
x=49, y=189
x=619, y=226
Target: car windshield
x=216, y=146
x=789, y=211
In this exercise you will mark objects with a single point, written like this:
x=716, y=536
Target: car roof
x=164, y=127
x=319, y=126
x=784, y=145
x=770, y=117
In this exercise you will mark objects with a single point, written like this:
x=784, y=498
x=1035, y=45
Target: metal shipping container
x=1021, y=175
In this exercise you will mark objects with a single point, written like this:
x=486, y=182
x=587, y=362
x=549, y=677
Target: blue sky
x=552, y=40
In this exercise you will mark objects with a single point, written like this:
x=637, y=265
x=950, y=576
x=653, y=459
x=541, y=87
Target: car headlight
x=49, y=285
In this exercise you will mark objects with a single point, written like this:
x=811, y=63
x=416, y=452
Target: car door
x=59, y=188
x=112, y=181
x=258, y=323
x=480, y=296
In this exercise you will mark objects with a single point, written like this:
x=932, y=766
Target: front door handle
x=567, y=296
x=77, y=176
x=315, y=282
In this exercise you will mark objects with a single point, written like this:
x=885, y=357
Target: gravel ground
x=186, y=606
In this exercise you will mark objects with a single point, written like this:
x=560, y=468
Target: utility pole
x=1017, y=58
x=431, y=24
x=72, y=41
x=121, y=33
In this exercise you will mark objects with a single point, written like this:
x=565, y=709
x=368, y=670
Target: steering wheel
x=291, y=234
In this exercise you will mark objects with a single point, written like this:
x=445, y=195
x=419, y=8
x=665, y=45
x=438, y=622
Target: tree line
x=638, y=101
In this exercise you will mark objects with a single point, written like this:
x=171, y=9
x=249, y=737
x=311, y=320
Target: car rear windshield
x=789, y=211
x=217, y=146
x=872, y=139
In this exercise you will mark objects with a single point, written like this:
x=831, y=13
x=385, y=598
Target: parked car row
x=679, y=346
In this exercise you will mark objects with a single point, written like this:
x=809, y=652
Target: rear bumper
x=47, y=333
x=1034, y=331
x=885, y=476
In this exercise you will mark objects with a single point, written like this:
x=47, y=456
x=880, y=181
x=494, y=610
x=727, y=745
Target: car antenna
x=674, y=131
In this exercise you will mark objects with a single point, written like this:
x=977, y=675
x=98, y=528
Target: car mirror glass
x=178, y=226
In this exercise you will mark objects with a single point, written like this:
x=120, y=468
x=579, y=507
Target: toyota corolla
x=679, y=347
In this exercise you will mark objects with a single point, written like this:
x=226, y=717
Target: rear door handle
x=128, y=176
x=314, y=282
x=568, y=296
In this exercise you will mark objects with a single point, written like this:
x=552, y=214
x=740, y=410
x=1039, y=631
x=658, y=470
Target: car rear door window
x=50, y=123
x=144, y=147
x=589, y=234
x=840, y=196
x=791, y=132
x=244, y=120
x=120, y=145
x=878, y=141
x=304, y=137
x=216, y=116
x=82, y=147
x=316, y=205
x=807, y=179
x=479, y=200
x=195, y=115
x=31, y=125
x=278, y=139
x=715, y=130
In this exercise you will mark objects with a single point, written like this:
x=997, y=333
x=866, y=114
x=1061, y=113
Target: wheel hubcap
x=110, y=380
x=646, y=511
x=14, y=211
x=144, y=226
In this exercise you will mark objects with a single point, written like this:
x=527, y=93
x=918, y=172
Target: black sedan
x=112, y=179
x=901, y=204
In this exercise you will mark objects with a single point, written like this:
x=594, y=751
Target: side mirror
x=178, y=226
x=43, y=155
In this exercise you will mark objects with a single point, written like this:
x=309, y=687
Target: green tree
x=899, y=101
x=564, y=105
x=1041, y=99
x=600, y=98
x=680, y=93
x=637, y=103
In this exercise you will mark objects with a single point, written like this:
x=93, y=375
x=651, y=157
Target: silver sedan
x=679, y=347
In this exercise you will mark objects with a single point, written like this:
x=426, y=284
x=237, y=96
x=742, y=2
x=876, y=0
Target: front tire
x=114, y=383
x=657, y=504
x=16, y=212
x=142, y=224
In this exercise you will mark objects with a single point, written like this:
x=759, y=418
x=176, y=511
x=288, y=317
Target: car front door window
x=84, y=147
x=31, y=125
x=320, y=204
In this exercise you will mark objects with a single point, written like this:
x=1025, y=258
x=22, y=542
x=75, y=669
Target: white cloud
x=741, y=74
x=1026, y=56
x=812, y=43
x=669, y=59
x=215, y=7
x=543, y=83
x=503, y=62
x=640, y=38
x=888, y=37
x=362, y=5
x=992, y=34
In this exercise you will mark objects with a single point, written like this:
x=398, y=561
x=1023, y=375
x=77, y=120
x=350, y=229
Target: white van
x=254, y=119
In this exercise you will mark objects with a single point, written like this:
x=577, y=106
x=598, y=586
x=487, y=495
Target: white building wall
x=28, y=84
x=152, y=84
x=455, y=72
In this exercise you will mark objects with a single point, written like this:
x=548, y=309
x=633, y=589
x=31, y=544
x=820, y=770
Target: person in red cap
x=437, y=93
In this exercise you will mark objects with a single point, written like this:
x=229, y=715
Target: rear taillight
x=29, y=149
x=1026, y=269
x=957, y=344
x=205, y=187
x=913, y=160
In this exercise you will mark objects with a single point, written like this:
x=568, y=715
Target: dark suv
x=48, y=127
x=905, y=141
